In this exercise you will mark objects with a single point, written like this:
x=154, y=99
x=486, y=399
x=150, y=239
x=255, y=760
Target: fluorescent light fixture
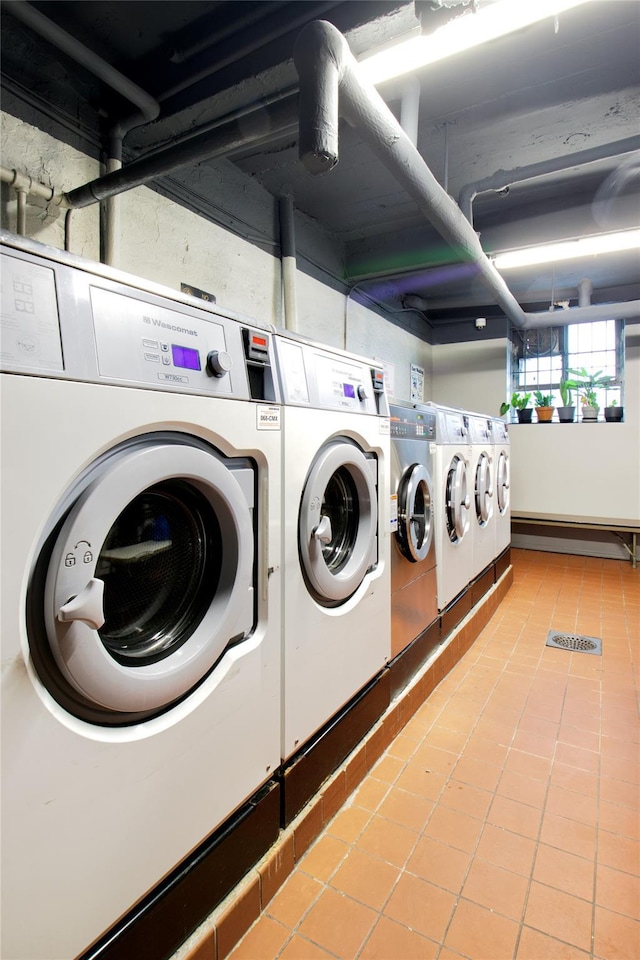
x=569, y=249
x=462, y=33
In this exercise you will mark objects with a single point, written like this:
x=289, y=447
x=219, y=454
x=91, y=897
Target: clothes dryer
x=336, y=607
x=414, y=603
x=481, y=469
x=501, y=482
x=140, y=589
x=454, y=488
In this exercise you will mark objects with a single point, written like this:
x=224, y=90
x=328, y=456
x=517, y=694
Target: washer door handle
x=323, y=531
x=86, y=606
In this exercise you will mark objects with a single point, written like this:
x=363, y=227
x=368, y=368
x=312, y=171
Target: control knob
x=219, y=363
x=362, y=393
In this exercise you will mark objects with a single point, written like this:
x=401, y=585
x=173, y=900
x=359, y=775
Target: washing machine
x=336, y=517
x=414, y=604
x=501, y=483
x=481, y=469
x=140, y=589
x=454, y=487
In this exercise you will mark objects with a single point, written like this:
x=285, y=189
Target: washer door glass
x=337, y=529
x=457, y=500
x=484, y=490
x=502, y=483
x=151, y=575
x=415, y=513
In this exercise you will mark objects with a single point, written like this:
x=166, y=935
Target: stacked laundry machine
x=141, y=600
x=502, y=496
x=483, y=532
x=336, y=588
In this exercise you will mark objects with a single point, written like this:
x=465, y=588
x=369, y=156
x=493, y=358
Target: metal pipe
x=327, y=69
x=21, y=223
x=410, y=108
x=630, y=310
x=205, y=146
x=288, y=260
x=504, y=178
x=20, y=181
x=26, y=13
x=585, y=289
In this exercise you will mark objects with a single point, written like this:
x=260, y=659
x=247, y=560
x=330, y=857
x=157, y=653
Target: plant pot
x=524, y=416
x=613, y=414
x=566, y=414
x=544, y=414
x=589, y=414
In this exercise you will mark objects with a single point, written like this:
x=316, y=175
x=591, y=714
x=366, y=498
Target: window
x=542, y=358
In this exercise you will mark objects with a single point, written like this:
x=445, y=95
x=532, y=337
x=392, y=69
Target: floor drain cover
x=575, y=642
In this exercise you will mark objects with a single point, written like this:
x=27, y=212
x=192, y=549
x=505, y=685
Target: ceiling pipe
x=288, y=260
x=216, y=142
x=505, y=178
x=330, y=87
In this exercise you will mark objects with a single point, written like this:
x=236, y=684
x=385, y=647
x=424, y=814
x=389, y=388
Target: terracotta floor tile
x=433, y=759
x=615, y=937
x=402, y=747
x=387, y=769
x=439, y=863
x=323, y=857
x=622, y=749
x=487, y=751
x=299, y=948
x=521, y=788
x=577, y=737
x=580, y=781
x=392, y=940
x=456, y=829
x=564, y=871
x=478, y=773
x=618, y=852
x=370, y=794
x=479, y=933
x=349, y=823
x=534, y=744
x=416, y=780
x=619, y=791
x=573, y=806
x=338, y=924
x=502, y=891
x=421, y=906
x=365, y=878
x=294, y=899
x=527, y=764
x=262, y=942
x=506, y=849
x=515, y=816
x=620, y=768
x=618, y=891
x=624, y=821
x=466, y=798
x=559, y=915
x=406, y=808
x=388, y=840
x=577, y=757
x=534, y=945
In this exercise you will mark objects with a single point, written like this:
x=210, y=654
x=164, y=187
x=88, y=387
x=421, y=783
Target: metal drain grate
x=575, y=642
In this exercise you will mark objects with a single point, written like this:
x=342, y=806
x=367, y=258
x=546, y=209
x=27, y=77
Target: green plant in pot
x=613, y=413
x=544, y=406
x=587, y=383
x=567, y=411
x=520, y=403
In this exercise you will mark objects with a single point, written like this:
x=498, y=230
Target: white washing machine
x=454, y=489
x=336, y=516
x=414, y=605
x=483, y=528
x=140, y=590
x=501, y=483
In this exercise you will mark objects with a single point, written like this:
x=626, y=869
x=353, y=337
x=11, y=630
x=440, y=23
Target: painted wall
x=168, y=244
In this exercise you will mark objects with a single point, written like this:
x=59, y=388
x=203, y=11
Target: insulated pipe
x=586, y=314
x=585, y=289
x=217, y=142
x=504, y=178
x=87, y=58
x=288, y=260
x=329, y=86
x=410, y=108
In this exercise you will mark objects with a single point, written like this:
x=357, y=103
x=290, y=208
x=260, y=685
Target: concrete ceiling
x=550, y=91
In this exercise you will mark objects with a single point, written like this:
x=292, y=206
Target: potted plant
x=566, y=412
x=520, y=403
x=587, y=383
x=613, y=413
x=544, y=406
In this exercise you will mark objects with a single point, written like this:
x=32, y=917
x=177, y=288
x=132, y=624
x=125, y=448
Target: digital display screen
x=349, y=390
x=259, y=341
x=185, y=357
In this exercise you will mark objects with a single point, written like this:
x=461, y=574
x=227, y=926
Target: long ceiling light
x=462, y=33
x=569, y=249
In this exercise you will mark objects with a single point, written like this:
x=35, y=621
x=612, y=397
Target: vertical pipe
x=288, y=261
x=21, y=226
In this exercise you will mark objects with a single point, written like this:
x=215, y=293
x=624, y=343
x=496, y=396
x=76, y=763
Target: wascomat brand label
x=268, y=418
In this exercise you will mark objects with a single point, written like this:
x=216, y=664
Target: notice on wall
x=417, y=383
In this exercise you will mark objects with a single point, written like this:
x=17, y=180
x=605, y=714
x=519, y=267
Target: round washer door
x=338, y=521
x=151, y=575
x=502, y=482
x=484, y=490
x=415, y=513
x=457, y=500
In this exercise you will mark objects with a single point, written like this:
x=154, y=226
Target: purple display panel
x=185, y=357
x=349, y=390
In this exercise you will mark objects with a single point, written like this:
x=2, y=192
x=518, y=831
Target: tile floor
x=502, y=822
